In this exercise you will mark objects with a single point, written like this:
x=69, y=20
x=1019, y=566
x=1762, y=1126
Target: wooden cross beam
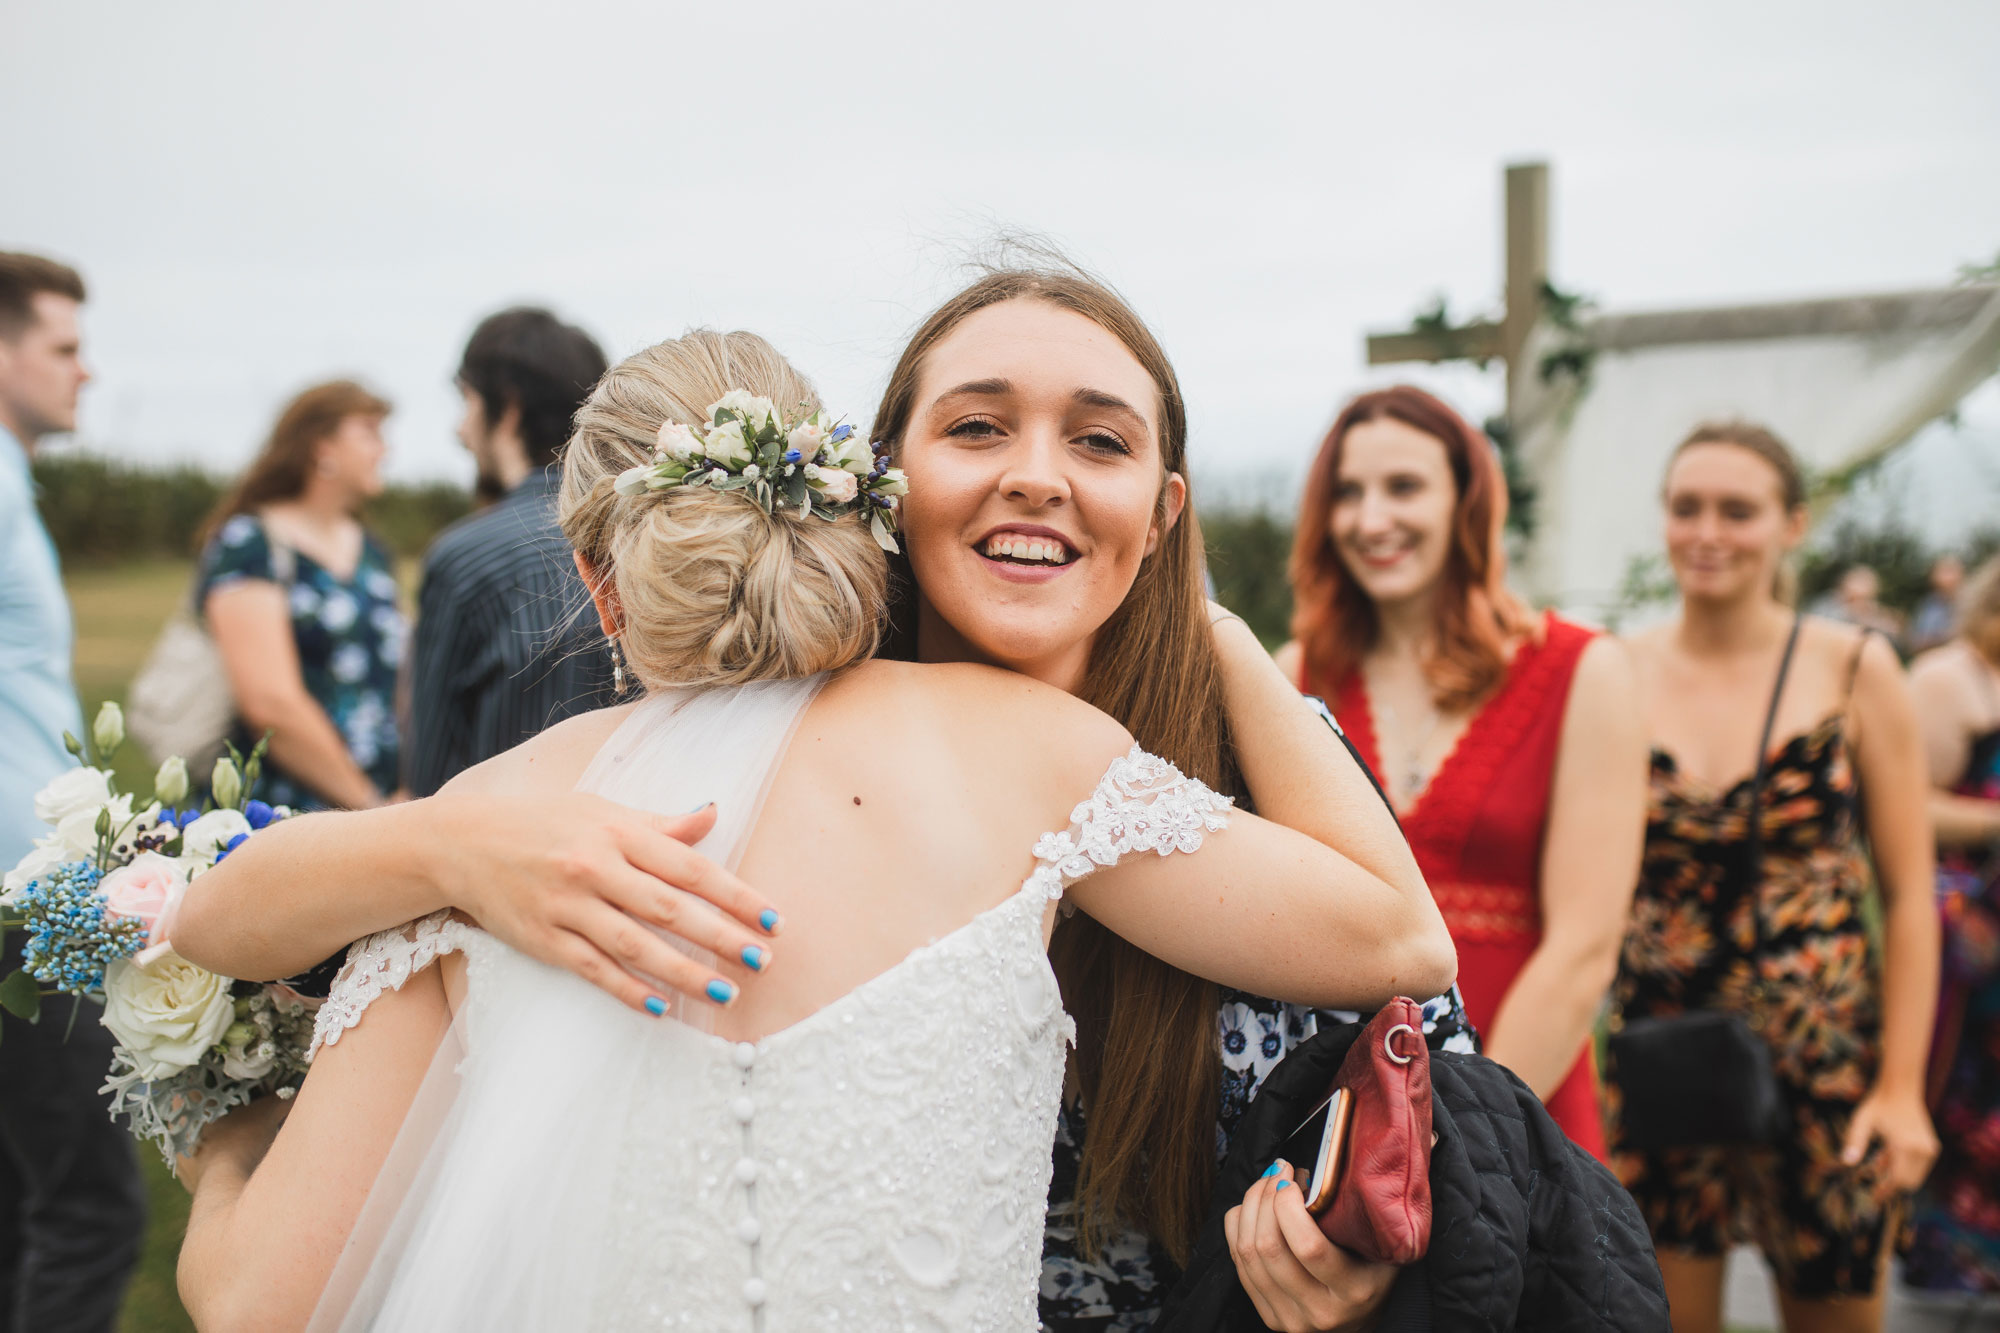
x=1527, y=240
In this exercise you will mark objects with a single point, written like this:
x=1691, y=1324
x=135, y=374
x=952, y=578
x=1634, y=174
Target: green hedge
x=100, y=511
x=1247, y=552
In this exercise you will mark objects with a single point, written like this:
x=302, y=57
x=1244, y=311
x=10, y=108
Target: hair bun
x=712, y=589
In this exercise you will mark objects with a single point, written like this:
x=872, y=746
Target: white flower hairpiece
x=805, y=463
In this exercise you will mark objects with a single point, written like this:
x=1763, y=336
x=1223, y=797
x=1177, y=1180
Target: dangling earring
x=617, y=667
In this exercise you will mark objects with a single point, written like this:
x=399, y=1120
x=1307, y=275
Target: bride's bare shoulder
x=1002, y=713
x=551, y=760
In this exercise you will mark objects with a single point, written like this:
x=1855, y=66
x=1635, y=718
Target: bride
x=861, y=1139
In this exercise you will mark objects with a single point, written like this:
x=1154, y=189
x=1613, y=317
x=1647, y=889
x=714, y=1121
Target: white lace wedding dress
x=880, y=1165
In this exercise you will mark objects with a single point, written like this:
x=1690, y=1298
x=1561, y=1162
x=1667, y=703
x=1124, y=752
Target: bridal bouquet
x=94, y=897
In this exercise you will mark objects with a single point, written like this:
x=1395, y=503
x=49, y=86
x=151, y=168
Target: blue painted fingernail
x=1269, y=1171
x=655, y=1005
x=754, y=958
x=721, y=991
x=1284, y=1184
x=768, y=919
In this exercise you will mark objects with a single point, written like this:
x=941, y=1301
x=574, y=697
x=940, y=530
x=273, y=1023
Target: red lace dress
x=1477, y=834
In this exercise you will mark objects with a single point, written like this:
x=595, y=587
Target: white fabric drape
x=1840, y=398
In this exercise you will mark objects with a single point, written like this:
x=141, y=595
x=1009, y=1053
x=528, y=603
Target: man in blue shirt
x=72, y=1208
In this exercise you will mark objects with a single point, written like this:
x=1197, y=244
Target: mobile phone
x=1321, y=1139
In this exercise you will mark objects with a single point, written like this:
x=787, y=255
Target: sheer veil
x=492, y=1208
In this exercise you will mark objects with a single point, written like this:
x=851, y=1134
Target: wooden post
x=1527, y=270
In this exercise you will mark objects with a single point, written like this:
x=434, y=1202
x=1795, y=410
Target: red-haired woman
x=1511, y=744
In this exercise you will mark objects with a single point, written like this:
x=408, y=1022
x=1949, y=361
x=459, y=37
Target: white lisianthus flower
x=225, y=783
x=677, y=442
x=250, y=1060
x=109, y=728
x=756, y=412
x=837, y=486
x=632, y=481
x=166, y=1015
x=852, y=454
x=201, y=840
x=892, y=482
x=76, y=790
x=43, y=857
x=727, y=446
x=78, y=832
x=170, y=784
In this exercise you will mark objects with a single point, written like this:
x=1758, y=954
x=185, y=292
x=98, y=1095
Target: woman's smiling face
x=1036, y=485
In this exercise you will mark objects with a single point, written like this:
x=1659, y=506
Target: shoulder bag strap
x=1761, y=772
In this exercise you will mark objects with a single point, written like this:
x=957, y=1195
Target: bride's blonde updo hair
x=711, y=590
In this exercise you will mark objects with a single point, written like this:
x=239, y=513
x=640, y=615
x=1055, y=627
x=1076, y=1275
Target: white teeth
x=1027, y=548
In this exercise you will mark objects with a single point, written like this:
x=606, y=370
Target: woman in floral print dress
x=302, y=602
x=1847, y=1036
x=1954, y=1251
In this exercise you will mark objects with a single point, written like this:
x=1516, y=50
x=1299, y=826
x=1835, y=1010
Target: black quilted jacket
x=1528, y=1231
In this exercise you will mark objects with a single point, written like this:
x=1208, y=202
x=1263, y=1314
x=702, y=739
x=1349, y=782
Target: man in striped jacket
x=502, y=647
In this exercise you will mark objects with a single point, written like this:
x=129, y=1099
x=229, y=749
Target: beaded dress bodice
x=883, y=1164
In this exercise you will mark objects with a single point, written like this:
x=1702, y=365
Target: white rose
x=167, y=1014
x=77, y=833
x=756, y=412
x=76, y=790
x=201, y=840
x=727, y=446
x=677, y=442
x=837, y=486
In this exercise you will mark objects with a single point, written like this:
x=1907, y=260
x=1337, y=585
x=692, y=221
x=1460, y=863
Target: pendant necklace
x=1416, y=777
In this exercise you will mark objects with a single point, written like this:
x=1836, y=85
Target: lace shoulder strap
x=382, y=963
x=1144, y=804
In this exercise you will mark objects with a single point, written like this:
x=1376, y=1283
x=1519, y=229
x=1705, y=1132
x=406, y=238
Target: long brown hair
x=282, y=467
x=1148, y=1065
x=1336, y=623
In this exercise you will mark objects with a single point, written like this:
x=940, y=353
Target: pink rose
x=833, y=484
x=145, y=891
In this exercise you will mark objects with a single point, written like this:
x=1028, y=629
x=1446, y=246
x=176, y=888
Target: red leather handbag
x=1382, y=1207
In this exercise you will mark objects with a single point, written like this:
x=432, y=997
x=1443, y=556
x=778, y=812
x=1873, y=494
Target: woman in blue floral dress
x=302, y=603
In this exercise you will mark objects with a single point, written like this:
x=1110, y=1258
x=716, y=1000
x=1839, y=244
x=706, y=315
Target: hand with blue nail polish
x=1294, y=1275
x=563, y=878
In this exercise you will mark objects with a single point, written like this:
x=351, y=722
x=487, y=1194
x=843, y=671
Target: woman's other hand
x=1300, y=1281
x=569, y=881
x=1901, y=1122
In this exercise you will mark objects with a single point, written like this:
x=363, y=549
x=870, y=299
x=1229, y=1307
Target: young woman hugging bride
x=862, y=1139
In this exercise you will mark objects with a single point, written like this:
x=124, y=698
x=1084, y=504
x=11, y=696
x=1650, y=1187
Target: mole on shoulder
x=857, y=800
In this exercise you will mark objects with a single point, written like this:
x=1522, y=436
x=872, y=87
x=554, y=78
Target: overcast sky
x=263, y=195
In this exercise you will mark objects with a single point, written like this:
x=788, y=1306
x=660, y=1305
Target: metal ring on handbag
x=1389, y=1043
